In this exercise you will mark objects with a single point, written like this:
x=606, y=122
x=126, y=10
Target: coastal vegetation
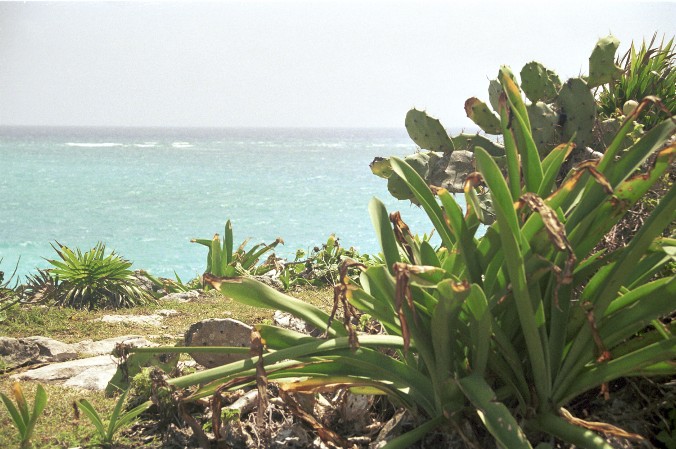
x=522, y=308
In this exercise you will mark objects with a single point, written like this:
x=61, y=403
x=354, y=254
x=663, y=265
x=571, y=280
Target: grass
x=58, y=427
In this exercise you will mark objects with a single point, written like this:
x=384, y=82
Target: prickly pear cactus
x=602, y=67
x=468, y=142
x=479, y=113
x=381, y=167
x=427, y=132
x=421, y=163
x=556, y=113
x=494, y=91
x=451, y=170
x=544, y=123
x=577, y=109
x=539, y=83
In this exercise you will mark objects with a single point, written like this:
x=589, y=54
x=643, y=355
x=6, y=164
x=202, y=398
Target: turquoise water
x=147, y=192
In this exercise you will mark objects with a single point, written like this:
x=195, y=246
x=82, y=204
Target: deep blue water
x=146, y=192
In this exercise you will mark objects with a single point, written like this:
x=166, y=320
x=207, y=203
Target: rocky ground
x=330, y=419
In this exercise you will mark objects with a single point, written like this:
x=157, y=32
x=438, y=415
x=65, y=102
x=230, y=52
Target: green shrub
x=24, y=419
x=90, y=280
x=224, y=260
x=321, y=266
x=503, y=329
x=648, y=70
x=8, y=293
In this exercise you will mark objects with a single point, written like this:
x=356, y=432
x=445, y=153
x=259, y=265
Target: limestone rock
x=182, y=296
x=147, y=320
x=92, y=373
x=52, y=350
x=106, y=346
x=145, y=283
x=288, y=321
x=218, y=332
x=15, y=353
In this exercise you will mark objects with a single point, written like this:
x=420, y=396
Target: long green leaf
x=495, y=416
x=512, y=153
x=217, y=266
x=384, y=233
x=531, y=165
x=579, y=436
x=254, y=293
x=39, y=405
x=14, y=413
x=551, y=166
x=510, y=237
x=607, y=288
x=480, y=329
x=409, y=438
x=112, y=425
x=302, y=350
x=444, y=325
x=131, y=415
x=625, y=365
x=228, y=243
x=93, y=415
x=424, y=195
x=465, y=239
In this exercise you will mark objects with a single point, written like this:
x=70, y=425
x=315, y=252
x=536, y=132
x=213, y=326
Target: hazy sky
x=288, y=63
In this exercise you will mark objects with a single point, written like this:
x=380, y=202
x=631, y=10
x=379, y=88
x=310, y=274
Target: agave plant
x=8, y=293
x=25, y=419
x=321, y=266
x=224, y=260
x=506, y=328
x=118, y=418
x=648, y=70
x=92, y=280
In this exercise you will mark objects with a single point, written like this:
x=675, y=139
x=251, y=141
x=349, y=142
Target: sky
x=319, y=63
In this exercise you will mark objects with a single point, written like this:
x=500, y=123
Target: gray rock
x=92, y=373
x=143, y=320
x=145, y=283
x=15, y=353
x=166, y=312
x=106, y=346
x=182, y=296
x=288, y=321
x=52, y=350
x=218, y=332
x=270, y=281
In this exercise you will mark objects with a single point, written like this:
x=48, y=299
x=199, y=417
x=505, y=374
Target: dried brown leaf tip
x=257, y=349
x=328, y=436
x=402, y=233
x=341, y=293
x=215, y=281
x=402, y=295
x=590, y=167
x=595, y=426
x=474, y=179
x=557, y=235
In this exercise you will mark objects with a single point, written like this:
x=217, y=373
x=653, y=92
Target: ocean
x=146, y=192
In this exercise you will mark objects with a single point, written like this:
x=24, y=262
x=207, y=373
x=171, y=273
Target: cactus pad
x=420, y=163
x=482, y=116
x=539, y=83
x=427, y=132
x=468, y=142
x=577, y=111
x=494, y=91
x=544, y=123
x=380, y=166
x=602, y=68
